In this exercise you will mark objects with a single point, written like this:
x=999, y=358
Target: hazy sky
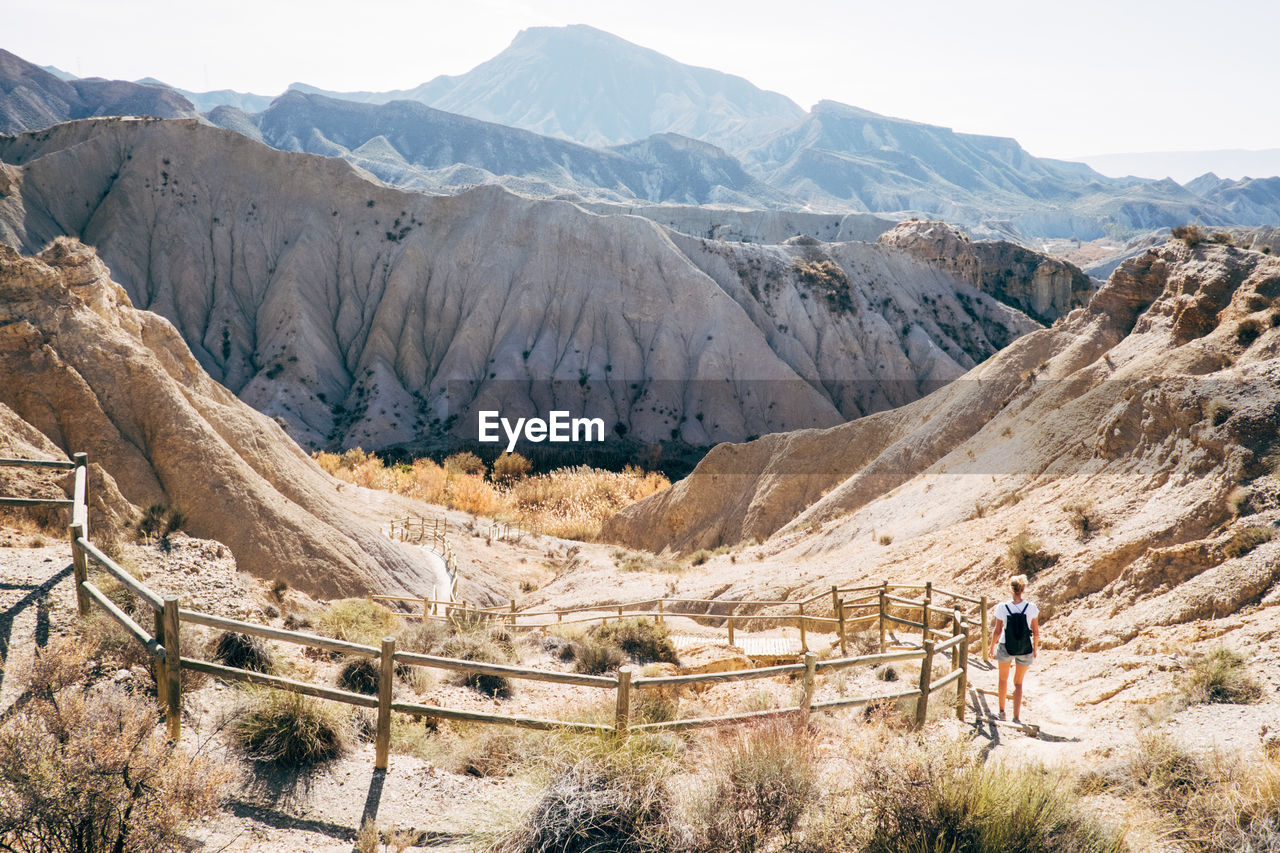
x=1065, y=78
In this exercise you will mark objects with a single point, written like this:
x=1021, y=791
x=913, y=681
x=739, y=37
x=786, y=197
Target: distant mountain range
x=1184, y=166
x=577, y=113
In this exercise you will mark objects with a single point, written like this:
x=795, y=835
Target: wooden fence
x=942, y=631
x=431, y=532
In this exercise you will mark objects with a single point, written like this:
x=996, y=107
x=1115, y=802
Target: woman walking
x=1015, y=640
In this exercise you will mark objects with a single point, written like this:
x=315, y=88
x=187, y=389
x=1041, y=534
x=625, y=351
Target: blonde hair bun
x=1018, y=583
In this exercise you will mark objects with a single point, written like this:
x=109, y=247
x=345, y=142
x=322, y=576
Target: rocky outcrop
x=86, y=372
x=358, y=314
x=1136, y=442
x=1042, y=287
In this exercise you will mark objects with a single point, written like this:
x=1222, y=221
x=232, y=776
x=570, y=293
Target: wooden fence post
x=623, y=712
x=81, y=564
x=986, y=630
x=962, y=685
x=884, y=627
x=386, y=679
x=172, y=667
x=731, y=630
x=160, y=664
x=426, y=607
x=800, y=620
x=955, y=631
x=513, y=614
x=662, y=619
x=806, y=696
x=926, y=676
x=844, y=651
x=924, y=619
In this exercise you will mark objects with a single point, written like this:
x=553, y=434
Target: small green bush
x=1220, y=676
x=697, y=558
x=276, y=727
x=592, y=656
x=244, y=652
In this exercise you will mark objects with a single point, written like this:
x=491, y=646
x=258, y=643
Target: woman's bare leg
x=1019, y=673
x=1004, y=681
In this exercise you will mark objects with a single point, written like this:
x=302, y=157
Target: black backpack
x=1017, y=633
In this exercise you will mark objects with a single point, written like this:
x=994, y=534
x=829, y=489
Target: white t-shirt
x=1003, y=609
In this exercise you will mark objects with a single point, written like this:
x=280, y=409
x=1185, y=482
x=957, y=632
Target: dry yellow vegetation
x=571, y=503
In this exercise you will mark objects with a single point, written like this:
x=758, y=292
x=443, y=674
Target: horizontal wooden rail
x=849, y=702
x=506, y=670
x=37, y=463
x=231, y=673
x=499, y=719
x=905, y=602
x=718, y=677
x=124, y=620
x=112, y=568
x=703, y=722
x=887, y=657
x=906, y=622
x=954, y=675
x=296, y=637
x=948, y=645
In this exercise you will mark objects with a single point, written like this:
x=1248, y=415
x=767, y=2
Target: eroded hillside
x=357, y=314
x=1135, y=444
x=86, y=372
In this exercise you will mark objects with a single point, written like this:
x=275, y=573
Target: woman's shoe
x=1000, y=716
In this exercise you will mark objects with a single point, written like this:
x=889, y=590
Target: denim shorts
x=1002, y=655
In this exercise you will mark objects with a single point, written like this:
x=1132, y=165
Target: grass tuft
x=284, y=729
x=1220, y=677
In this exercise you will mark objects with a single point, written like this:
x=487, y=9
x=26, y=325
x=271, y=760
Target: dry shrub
x=1192, y=235
x=87, y=770
x=1027, y=556
x=510, y=467
x=762, y=779
x=1219, y=676
x=1082, y=518
x=359, y=675
x=643, y=640
x=487, y=752
x=571, y=502
x=290, y=730
x=1244, y=541
x=1212, y=803
x=604, y=794
x=474, y=494
x=635, y=561
x=465, y=462
x=244, y=652
x=593, y=656
x=475, y=646
x=358, y=620
x=944, y=797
